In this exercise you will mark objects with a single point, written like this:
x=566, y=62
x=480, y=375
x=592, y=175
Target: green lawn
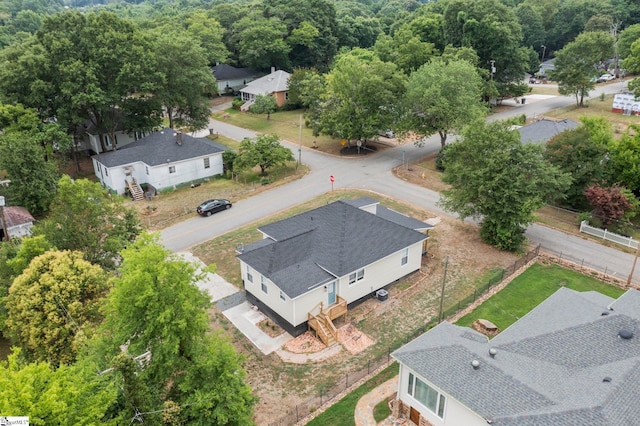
x=381, y=411
x=529, y=289
x=341, y=413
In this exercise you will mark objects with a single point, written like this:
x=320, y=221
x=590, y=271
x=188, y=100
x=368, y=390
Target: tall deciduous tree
x=625, y=159
x=362, y=93
x=264, y=104
x=261, y=42
x=264, y=151
x=575, y=64
x=86, y=218
x=496, y=179
x=155, y=306
x=576, y=153
x=628, y=36
x=186, y=79
x=609, y=203
x=404, y=49
x=442, y=98
x=210, y=34
x=53, y=304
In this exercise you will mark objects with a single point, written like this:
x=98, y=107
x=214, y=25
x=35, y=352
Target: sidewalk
x=364, y=409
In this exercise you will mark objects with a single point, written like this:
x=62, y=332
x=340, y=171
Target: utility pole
x=299, y=142
x=493, y=68
x=614, y=34
x=444, y=280
x=633, y=268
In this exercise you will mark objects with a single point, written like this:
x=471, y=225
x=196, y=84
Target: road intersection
x=374, y=173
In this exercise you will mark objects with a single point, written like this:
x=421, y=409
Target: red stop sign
x=332, y=179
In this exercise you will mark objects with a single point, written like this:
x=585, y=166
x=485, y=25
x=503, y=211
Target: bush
x=237, y=103
x=440, y=158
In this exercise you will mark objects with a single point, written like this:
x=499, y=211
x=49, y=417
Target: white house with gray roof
x=542, y=131
x=573, y=360
x=164, y=159
x=311, y=267
x=275, y=84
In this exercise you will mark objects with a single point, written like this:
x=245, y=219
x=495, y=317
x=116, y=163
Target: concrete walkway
x=364, y=409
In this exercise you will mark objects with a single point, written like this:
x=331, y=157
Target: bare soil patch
x=270, y=328
x=304, y=344
x=353, y=339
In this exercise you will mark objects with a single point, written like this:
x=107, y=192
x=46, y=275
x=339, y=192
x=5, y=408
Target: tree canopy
x=442, y=98
x=53, y=304
x=496, y=179
x=85, y=217
x=264, y=151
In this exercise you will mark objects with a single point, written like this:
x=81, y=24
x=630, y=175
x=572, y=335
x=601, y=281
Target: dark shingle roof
x=160, y=148
x=389, y=214
x=542, y=131
x=228, y=72
x=312, y=248
x=542, y=377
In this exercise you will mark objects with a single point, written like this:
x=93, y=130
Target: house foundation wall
x=286, y=325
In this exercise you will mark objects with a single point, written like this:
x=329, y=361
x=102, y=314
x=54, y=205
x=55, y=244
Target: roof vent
x=493, y=352
x=625, y=334
x=475, y=364
x=607, y=379
x=604, y=314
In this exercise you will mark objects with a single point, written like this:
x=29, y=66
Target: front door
x=331, y=289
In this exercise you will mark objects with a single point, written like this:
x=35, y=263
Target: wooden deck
x=322, y=322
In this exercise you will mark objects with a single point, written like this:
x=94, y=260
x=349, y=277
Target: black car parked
x=210, y=207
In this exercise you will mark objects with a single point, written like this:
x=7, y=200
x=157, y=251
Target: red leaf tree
x=610, y=203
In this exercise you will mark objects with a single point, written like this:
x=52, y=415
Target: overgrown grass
x=341, y=413
x=531, y=288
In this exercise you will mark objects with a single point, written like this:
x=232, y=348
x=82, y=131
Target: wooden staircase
x=136, y=191
x=322, y=323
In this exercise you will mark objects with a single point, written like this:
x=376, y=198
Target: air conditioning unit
x=382, y=295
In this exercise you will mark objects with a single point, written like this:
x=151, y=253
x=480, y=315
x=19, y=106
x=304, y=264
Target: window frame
x=249, y=274
x=172, y=169
x=207, y=162
x=263, y=285
x=356, y=276
x=440, y=400
x=405, y=257
x=283, y=297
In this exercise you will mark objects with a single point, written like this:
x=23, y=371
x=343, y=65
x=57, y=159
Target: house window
x=282, y=296
x=430, y=398
x=106, y=171
x=356, y=276
x=172, y=169
x=207, y=163
x=263, y=284
x=99, y=169
x=146, y=169
x=249, y=274
x=405, y=256
x=107, y=141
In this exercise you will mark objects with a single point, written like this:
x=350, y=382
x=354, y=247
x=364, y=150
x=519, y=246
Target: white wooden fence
x=606, y=235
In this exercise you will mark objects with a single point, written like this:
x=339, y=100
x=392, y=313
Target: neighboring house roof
x=227, y=72
x=562, y=364
x=277, y=81
x=16, y=216
x=160, y=148
x=313, y=248
x=389, y=214
x=542, y=131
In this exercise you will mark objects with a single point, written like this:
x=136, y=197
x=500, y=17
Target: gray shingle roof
x=160, y=148
x=277, y=81
x=389, y=214
x=312, y=248
x=542, y=131
x=550, y=365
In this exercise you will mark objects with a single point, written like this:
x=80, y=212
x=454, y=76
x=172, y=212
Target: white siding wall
x=380, y=273
x=20, y=231
x=455, y=413
x=186, y=171
x=308, y=301
x=272, y=297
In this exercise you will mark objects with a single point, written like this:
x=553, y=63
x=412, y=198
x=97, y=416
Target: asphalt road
x=373, y=172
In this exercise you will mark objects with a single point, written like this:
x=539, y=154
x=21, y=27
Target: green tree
x=53, y=305
x=361, y=95
x=493, y=31
x=442, y=98
x=155, y=306
x=576, y=153
x=86, y=218
x=609, y=203
x=404, y=49
x=625, y=159
x=575, y=64
x=263, y=151
x=306, y=87
x=627, y=37
x=570, y=20
x=264, y=104
x=532, y=26
x=68, y=395
x=186, y=79
x=210, y=34
x=261, y=43
x=496, y=179
x=358, y=31
x=33, y=180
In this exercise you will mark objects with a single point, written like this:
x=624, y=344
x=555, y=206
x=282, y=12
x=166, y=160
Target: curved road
x=373, y=172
